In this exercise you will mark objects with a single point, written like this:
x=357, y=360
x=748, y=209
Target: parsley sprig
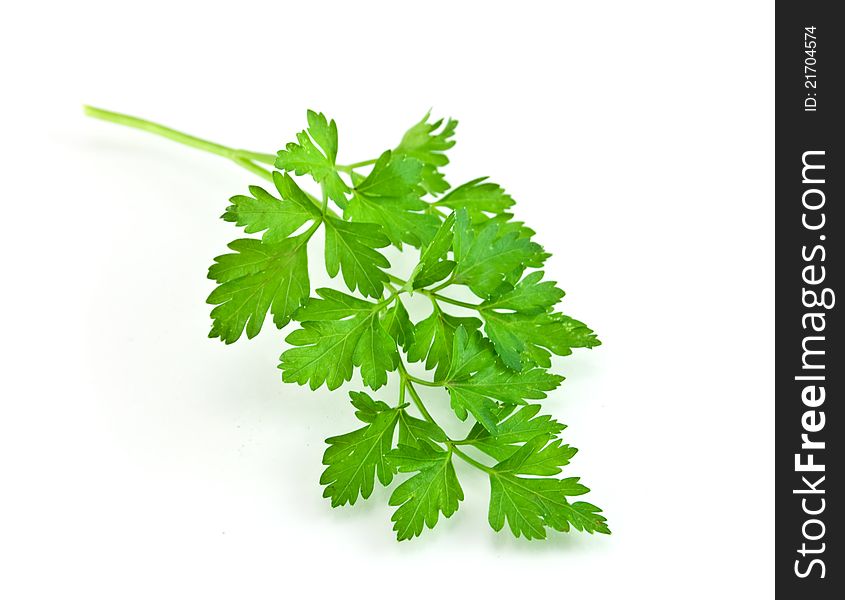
x=492, y=367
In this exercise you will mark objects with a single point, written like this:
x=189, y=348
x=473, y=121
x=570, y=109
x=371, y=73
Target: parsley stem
x=422, y=381
x=463, y=442
x=405, y=377
x=254, y=168
x=387, y=300
x=350, y=167
x=261, y=157
x=183, y=138
x=311, y=230
x=401, y=394
x=450, y=300
x=443, y=285
x=469, y=459
x=325, y=206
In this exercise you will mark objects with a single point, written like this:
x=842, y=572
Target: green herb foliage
x=490, y=357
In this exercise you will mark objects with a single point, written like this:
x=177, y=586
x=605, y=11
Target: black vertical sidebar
x=809, y=227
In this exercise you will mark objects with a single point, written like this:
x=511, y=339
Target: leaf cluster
x=489, y=356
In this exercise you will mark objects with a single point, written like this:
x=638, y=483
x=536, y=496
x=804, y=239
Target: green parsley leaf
x=258, y=277
x=434, y=489
x=333, y=305
x=425, y=143
x=519, y=322
x=477, y=196
x=538, y=456
x=390, y=197
x=351, y=248
x=367, y=409
x=324, y=133
x=530, y=296
x=353, y=459
x=530, y=505
x=338, y=331
x=525, y=340
x=437, y=272
x=518, y=427
x=485, y=257
x=477, y=381
x=305, y=157
x=506, y=224
x=277, y=218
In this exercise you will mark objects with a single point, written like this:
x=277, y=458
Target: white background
x=142, y=460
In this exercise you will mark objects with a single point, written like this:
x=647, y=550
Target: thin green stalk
x=467, y=458
x=178, y=136
x=311, y=230
x=254, y=168
x=267, y=159
x=463, y=442
x=450, y=300
x=387, y=300
x=434, y=304
x=401, y=394
x=443, y=285
x=422, y=381
x=404, y=376
x=351, y=167
x=325, y=206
